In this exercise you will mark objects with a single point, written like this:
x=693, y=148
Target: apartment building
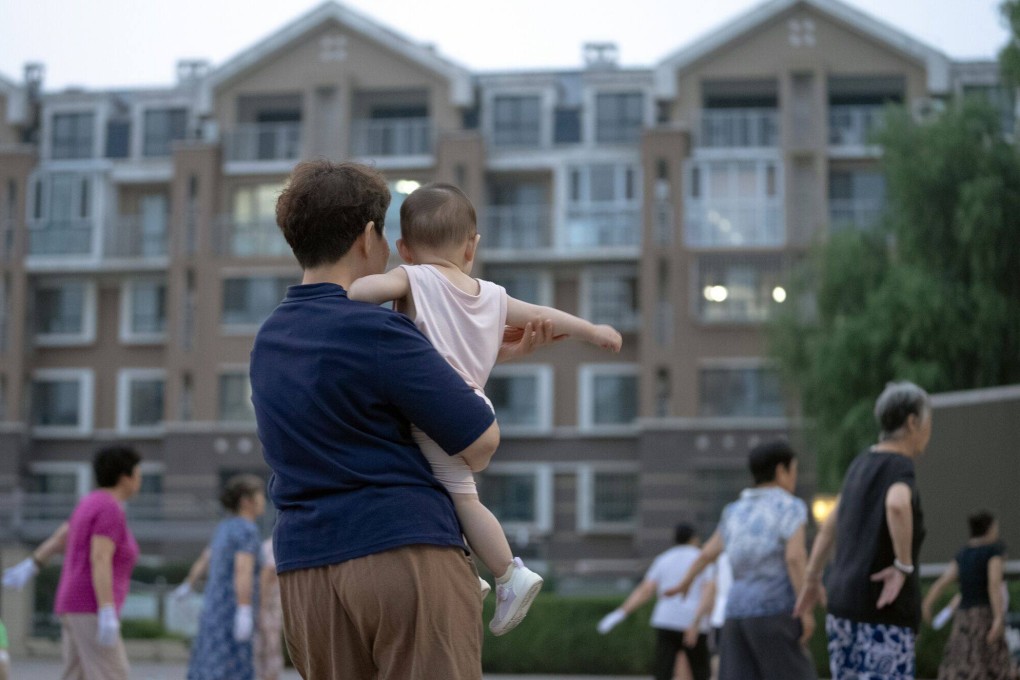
x=139, y=254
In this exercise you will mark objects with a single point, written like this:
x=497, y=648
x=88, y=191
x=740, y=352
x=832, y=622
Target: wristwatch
x=907, y=569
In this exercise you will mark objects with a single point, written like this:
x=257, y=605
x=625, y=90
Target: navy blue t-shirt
x=972, y=561
x=336, y=385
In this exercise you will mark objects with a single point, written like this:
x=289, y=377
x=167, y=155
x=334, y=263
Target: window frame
x=248, y=327
x=543, y=475
x=127, y=293
x=87, y=336
x=125, y=377
x=86, y=391
x=222, y=372
x=542, y=399
x=586, y=476
x=588, y=276
x=586, y=375
x=737, y=364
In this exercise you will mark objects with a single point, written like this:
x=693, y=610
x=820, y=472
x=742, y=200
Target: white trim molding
x=586, y=374
x=586, y=521
x=125, y=377
x=85, y=377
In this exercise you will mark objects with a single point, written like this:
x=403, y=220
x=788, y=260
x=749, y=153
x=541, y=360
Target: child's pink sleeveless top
x=466, y=329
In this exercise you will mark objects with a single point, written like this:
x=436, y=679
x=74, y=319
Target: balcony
x=518, y=227
x=852, y=125
x=391, y=137
x=249, y=238
x=131, y=236
x=736, y=223
x=739, y=128
x=255, y=142
x=854, y=213
x=49, y=238
x=594, y=226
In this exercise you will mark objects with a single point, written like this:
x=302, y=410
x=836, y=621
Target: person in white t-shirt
x=681, y=623
x=465, y=319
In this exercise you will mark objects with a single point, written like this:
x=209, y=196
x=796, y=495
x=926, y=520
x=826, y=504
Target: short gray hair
x=899, y=401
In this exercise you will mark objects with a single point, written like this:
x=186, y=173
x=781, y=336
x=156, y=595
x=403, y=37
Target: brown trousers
x=84, y=657
x=411, y=613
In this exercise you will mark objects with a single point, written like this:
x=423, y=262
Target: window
x=118, y=139
x=749, y=391
x=611, y=296
x=604, y=205
x=72, y=135
x=619, y=117
x=140, y=398
x=609, y=396
x=529, y=285
x=399, y=190
x=522, y=397
x=567, y=126
x=143, y=310
x=738, y=288
x=856, y=199
x=516, y=121
x=163, y=126
x=62, y=402
x=607, y=499
x=65, y=312
x=235, y=398
x=734, y=203
x=61, y=208
x=519, y=495
x=253, y=229
x=248, y=301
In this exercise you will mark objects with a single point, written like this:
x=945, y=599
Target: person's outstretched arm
x=19, y=575
x=641, y=594
x=940, y=584
x=380, y=288
x=708, y=555
x=195, y=574
x=518, y=313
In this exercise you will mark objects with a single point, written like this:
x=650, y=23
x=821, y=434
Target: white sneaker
x=515, y=592
x=486, y=588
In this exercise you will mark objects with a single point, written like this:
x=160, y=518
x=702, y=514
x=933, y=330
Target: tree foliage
x=932, y=296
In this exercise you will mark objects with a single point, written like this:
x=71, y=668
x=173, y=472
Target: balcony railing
x=603, y=227
x=518, y=227
x=734, y=222
x=60, y=237
x=264, y=142
x=854, y=125
x=132, y=237
x=854, y=213
x=249, y=238
x=739, y=128
x=391, y=137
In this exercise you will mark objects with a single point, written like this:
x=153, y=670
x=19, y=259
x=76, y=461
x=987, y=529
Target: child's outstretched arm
x=380, y=288
x=519, y=313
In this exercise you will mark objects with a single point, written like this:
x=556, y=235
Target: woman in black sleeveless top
x=977, y=648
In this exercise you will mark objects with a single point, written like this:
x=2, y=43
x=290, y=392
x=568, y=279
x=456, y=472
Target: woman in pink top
x=99, y=554
x=464, y=318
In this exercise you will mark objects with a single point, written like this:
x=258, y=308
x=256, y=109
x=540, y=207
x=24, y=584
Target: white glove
x=244, y=623
x=109, y=626
x=611, y=620
x=181, y=591
x=20, y=574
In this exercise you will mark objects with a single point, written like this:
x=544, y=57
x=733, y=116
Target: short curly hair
x=325, y=207
x=238, y=487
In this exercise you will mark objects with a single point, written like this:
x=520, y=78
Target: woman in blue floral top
x=763, y=536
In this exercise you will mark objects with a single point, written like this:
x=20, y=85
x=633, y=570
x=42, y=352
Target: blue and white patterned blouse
x=755, y=530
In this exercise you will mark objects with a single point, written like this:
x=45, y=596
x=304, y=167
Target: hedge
x=559, y=637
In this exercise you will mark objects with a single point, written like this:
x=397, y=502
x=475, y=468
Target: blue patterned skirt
x=869, y=651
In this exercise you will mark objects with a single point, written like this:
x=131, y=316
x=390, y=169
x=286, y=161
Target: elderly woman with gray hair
x=876, y=528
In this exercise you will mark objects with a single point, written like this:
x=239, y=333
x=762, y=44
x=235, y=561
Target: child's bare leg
x=484, y=533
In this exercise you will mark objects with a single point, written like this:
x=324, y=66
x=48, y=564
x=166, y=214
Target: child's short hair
x=437, y=215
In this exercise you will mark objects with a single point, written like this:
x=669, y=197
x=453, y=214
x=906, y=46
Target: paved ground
x=36, y=669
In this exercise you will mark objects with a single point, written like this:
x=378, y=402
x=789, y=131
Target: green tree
x=1009, y=55
x=933, y=295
